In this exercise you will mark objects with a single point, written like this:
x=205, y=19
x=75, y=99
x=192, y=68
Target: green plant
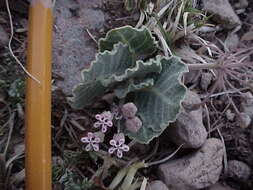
x=123, y=66
x=71, y=181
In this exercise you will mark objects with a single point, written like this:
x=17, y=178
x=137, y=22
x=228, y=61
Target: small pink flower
x=118, y=145
x=93, y=142
x=104, y=121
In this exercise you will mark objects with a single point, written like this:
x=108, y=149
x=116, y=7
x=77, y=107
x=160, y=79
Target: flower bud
x=133, y=124
x=128, y=110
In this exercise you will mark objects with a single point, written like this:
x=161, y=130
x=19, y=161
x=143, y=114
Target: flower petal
x=125, y=148
x=95, y=147
x=88, y=147
x=98, y=116
x=113, y=142
x=111, y=150
x=121, y=141
x=104, y=128
x=85, y=139
x=119, y=153
x=109, y=123
x=97, y=124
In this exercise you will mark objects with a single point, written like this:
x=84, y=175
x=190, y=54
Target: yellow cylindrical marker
x=38, y=97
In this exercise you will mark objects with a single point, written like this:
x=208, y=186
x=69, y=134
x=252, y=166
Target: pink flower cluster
x=104, y=122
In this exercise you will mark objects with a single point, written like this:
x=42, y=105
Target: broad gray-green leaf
x=109, y=63
x=105, y=65
x=141, y=69
x=86, y=94
x=140, y=41
x=159, y=105
x=133, y=85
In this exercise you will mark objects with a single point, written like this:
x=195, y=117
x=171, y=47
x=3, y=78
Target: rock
x=188, y=128
x=230, y=115
x=232, y=41
x=222, y=13
x=198, y=170
x=244, y=120
x=219, y=186
x=242, y=4
x=238, y=170
x=247, y=109
x=190, y=99
x=156, y=185
x=206, y=79
x=73, y=48
x=249, y=18
x=247, y=98
x=4, y=38
x=191, y=77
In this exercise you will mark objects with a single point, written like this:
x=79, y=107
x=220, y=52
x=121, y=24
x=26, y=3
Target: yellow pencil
x=38, y=97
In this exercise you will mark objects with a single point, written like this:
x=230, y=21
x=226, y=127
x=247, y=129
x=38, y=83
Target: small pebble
x=238, y=170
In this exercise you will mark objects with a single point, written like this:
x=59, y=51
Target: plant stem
x=131, y=173
x=165, y=159
x=203, y=66
x=118, y=178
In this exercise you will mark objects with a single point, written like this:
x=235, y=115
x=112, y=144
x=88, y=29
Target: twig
x=154, y=150
x=208, y=119
x=225, y=153
x=202, y=66
x=144, y=184
x=91, y=36
x=165, y=159
x=11, y=123
x=9, y=45
x=226, y=92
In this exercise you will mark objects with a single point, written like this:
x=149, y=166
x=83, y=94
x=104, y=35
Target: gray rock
x=195, y=171
x=73, y=47
x=232, y=41
x=219, y=186
x=238, y=170
x=188, y=128
x=247, y=104
x=242, y=4
x=246, y=116
x=223, y=13
x=4, y=38
x=244, y=120
x=192, y=77
x=156, y=185
x=206, y=79
x=230, y=115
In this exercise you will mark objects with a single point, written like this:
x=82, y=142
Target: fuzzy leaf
x=159, y=105
x=86, y=94
x=111, y=68
x=140, y=41
x=133, y=85
x=105, y=65
x=109, y=63
x=141, y=69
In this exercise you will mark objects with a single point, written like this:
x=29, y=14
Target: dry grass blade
x=165, y=159
x=144, y=184
x=10, y=48
x=11, y=126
